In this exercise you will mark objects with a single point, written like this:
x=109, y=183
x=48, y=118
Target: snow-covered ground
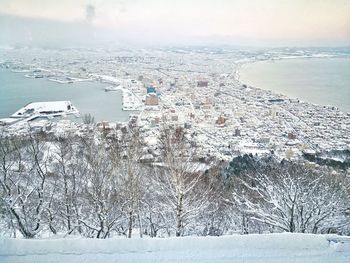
x=237, y=248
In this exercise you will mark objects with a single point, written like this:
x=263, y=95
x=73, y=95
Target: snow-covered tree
x=24, y=181
x=126, y=152
x=69, y=169
x=292, y=197
x=178, y=182
x=101, y=203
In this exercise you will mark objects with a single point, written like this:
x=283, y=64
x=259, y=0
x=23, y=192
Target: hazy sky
x=295, y=22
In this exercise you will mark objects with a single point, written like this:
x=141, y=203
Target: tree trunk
x=245, y=225
x=130, y=224
x=179, y=223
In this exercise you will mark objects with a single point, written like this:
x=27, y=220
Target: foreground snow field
x=237, y=248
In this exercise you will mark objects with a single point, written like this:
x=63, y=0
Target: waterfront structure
x=38, y=110
x=45, y=108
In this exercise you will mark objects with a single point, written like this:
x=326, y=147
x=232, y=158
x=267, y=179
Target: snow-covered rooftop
x=46, y=107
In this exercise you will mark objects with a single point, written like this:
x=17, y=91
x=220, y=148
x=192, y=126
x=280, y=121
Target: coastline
x=90, y=82
x=225, y=119
x=130, y=102
x=244, y=63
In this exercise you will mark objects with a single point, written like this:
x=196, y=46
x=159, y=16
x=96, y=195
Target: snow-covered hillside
x=237, y=248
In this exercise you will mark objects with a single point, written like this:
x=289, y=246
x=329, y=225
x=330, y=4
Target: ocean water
x=323, y=81
x=89, y=97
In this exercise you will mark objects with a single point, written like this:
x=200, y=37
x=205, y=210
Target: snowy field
x=283, y=248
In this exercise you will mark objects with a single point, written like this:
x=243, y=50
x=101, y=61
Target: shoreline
x=240, y=65
x=128, y=98
x=74, y=80
x=130, y=101
x=224, y=118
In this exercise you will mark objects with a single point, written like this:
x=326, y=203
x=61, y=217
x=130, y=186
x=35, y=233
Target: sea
x=88, y=97
x=323, y=81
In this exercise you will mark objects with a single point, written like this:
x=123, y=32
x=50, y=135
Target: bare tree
x=88, y=119
x=177, y=181
x=292, y=198
x=131, y=176
x=24, y=183
x=10, y=162
x=126, y=151
x=69, y=169
x=101, y=198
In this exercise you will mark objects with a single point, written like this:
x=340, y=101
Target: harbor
x=199, y=91
x=41, y=110
x=87, y=96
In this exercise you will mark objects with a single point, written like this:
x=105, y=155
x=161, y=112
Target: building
x=174, y=117
x=187, y=125
x=151, y=89
x=202, y=83
x=273, y=112
x=237, y=132
x=221, y=121
x=152, y=99
x=292, y=136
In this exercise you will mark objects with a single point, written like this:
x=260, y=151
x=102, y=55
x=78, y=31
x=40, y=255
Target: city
x=198, y=90
x=175, y=131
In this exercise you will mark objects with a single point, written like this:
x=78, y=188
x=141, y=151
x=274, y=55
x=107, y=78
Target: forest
x=100, y=185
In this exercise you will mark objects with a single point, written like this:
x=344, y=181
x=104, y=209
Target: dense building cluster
x=198, y=89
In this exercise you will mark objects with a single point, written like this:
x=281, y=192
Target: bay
x=89, y=97
x=324, y=81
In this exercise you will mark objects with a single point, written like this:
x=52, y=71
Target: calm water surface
x=89, y=97
x=324, y=81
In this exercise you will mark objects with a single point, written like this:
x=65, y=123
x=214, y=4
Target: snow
x=47, y=106
x=8, y=120
x=284, y=248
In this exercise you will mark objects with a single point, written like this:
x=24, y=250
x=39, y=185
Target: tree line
x=99, y=185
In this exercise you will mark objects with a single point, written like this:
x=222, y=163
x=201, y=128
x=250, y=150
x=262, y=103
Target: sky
x=242, y=22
